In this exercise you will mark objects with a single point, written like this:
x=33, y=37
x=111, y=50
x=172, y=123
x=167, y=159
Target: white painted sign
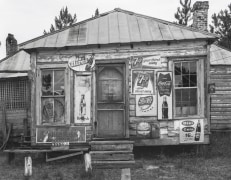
x=146, y=105
x=164, y=87
x=81, y=62
x=28, y=166
x=82, y=99
x=143, y=81
x=147, y=61
x=191, y=131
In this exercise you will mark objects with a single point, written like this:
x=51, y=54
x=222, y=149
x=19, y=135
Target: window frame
x=66, y=95
x=200, y=86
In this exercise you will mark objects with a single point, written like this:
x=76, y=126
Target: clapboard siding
x=221, y=99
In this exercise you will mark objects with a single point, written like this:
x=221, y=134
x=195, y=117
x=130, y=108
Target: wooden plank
x=134, y=31
x=62, y=157
x=220, y=117
x=103, y=30
x=220, y=126
x=109, y=152
x=93, y=29
x=221, y=76
x=221, y=121
x=154, y=30
x=220, y=110
x=116, y=147
x=113, y=28
x=126, y=174
x=221, y=113
x=123, y=28
x=113, y=164
x=111, y=142
x=112, y=157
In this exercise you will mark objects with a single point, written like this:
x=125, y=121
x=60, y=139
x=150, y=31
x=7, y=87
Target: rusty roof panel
x=19, y=62
x=118, y=26
x=103, y=30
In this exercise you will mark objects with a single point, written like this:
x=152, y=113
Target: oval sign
x=82, y=62
x=187, y=123
x=188, y=129
x=143, y=126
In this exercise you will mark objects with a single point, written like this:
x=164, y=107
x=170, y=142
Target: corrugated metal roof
x=18, y=62
x=117, y=26
x=219, y=55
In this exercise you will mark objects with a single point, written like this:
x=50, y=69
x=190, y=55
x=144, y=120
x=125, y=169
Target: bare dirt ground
x=166, y=163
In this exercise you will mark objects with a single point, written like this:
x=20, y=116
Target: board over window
x=188, y=88
x=53, y=96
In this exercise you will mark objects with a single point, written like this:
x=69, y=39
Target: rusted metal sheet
x=219, y=56
x=19, y=62
x=118, y=26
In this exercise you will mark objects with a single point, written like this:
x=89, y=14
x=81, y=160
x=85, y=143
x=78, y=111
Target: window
x=15, y=94
x=53, y=96
x=186, y=88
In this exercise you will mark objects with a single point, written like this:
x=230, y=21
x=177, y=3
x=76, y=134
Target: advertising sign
x=146, y=105
x=81, y=62
x=143, y=81
x=191, y=131
x=164, y=86
x=61, y=134
x=148, y=61
x=82, y=103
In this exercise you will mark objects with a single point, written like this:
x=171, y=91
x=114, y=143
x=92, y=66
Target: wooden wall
x=221, y=99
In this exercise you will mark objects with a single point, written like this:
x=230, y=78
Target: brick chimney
x=11, y=45
x=200, y=15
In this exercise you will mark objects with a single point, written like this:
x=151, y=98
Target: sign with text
x=148, y=61
x=191, y=131
x=143, y=81
x=81, y=62
x=164, y=95
x=82, y=103
x=73, y=134
x=146, y=105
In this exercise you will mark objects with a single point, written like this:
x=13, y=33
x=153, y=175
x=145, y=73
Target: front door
x=110, y=109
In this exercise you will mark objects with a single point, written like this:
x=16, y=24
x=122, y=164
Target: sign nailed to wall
x=192, y=131
x=146, y=105
x=164, y=86
x=82, y=62
x=61, y=134
x=149, y=62
x=143, y=81
x=82, y=99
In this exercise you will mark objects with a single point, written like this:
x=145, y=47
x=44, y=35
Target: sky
x=27, y=19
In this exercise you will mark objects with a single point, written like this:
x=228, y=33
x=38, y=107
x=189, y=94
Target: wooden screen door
x=110, y=109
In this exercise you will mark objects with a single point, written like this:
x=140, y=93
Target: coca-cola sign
x=164, y=84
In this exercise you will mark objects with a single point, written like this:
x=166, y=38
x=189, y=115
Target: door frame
x=126, y=98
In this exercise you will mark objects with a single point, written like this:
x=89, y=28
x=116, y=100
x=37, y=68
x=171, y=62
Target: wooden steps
x=112, y=154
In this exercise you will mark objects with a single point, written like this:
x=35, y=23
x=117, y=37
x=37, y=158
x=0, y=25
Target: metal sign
x=81, y=62
x=146, y=105
x=164, y=86
x=148, y=62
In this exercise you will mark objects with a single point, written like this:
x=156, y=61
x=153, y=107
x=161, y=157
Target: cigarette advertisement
x=82, y=102
x=146, y=105
x=192, y=131
x=164, y=87
x=143, y=82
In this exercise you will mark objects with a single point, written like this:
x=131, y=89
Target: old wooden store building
x=117, y=79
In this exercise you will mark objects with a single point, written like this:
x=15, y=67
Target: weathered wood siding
x=221, y=99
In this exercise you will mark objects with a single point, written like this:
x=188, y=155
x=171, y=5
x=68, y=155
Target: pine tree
x=63, y=20
x=96, y=12
x=184, y=14
x=222, y=26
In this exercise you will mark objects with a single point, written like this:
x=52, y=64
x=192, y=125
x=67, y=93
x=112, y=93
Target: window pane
x=178, y=102
x=177, y=68
x=185, y=68
x=185, y=79
x=185, y=102
x=47, y=79
x=59, y=109
x=193, y=101
x=193, y=67
x=59, y=82
x=193, y=81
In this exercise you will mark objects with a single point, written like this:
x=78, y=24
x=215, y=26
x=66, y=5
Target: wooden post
x=28, y=167
x=4, y=130
x=126, y=174
x=87, y=161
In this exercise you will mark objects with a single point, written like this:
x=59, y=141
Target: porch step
x=112, y=154
x=111, y=145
